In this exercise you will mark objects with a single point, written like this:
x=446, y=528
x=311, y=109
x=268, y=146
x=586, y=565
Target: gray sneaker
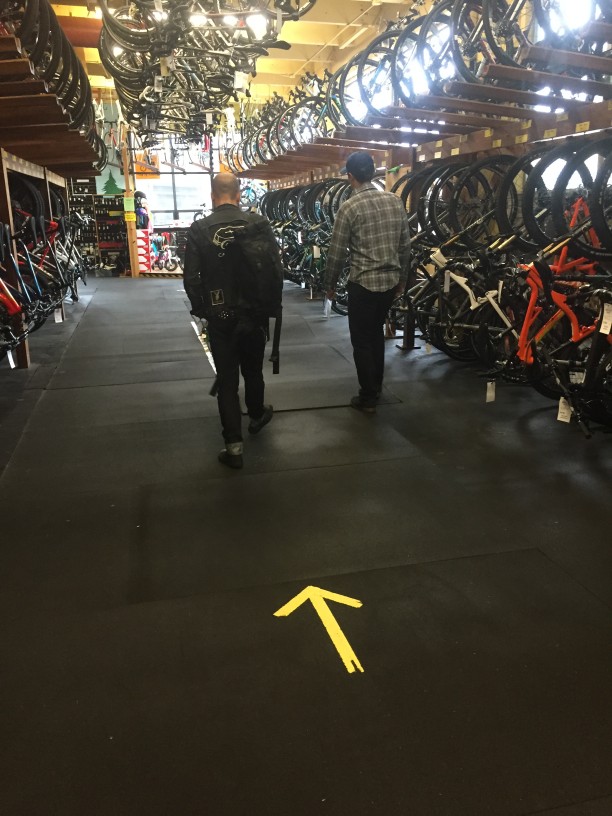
x=231, y=455
x=255, y=425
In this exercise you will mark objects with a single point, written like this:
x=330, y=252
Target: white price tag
x=327, y=307
x=565, y=410
x=491, y=391
x=158, y=84
x=59, y=317
x=11, y=361
x=427, y=348
x=606, y=320
x=447, y=281
x=240, y=80
x=577, y=377
x=303, y=285
x=209, y=118
x=316, y=252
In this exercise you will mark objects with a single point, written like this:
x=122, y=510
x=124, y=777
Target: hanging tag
x=427, y=348
x=59, y=317
x=303, y=285
x=447, y=281
x=327, y=307
x=209, y=118
x=500, y=286
x=316, y=252
x=606, y=320
x=577, y=377
x=491, y=391
x=565, y=411
x=158, y=84
x=11, y=361
x=240, y=80
x=163, y=66
x=159, y=6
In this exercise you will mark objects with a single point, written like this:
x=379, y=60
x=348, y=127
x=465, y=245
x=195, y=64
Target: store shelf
x=33, y=124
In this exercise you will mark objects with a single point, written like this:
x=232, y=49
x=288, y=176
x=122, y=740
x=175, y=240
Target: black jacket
x=199, y=249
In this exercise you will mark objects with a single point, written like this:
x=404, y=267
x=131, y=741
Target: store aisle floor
x=144, y=671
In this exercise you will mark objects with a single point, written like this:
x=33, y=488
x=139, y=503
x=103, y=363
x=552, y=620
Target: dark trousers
x=235, y=350
x=366, y=315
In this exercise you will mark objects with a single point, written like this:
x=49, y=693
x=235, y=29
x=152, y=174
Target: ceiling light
x=258, y=25
x=198, y=19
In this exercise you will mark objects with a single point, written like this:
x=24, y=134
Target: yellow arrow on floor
x=318, y=598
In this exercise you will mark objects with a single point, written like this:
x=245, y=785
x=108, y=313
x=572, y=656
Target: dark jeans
x=366, y=315
x=236, y=351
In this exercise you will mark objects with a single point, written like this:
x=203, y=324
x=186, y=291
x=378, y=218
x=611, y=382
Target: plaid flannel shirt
x=373, y=226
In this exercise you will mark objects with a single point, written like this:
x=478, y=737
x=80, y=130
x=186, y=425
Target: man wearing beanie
x=373, y=226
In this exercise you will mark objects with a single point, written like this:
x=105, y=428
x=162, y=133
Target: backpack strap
x=275, y=355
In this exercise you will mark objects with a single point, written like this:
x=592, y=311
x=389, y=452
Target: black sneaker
x=232, y=455
x=255, y=425
x=365, y=407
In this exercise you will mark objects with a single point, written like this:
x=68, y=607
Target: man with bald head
x=236, y=335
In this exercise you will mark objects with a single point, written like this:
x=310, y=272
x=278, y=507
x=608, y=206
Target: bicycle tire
x=600, y=203
x=482, y=190
x=508, y=205
x=468, y=44
x=578, y=164
x=379, y=52
x=536, y=204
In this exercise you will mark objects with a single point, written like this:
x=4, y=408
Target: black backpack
x=244, y=274
x=243, y=267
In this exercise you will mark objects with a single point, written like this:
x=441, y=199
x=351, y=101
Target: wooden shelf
x=558, y=82
x=495, y=94
x=598, y=31
x=12, y=69
x=34, y=126
x=558, y=60
x=10, y=47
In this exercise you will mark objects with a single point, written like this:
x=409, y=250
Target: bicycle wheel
x=509, y=24
x=569, y=206
x=407, y=77
x=349, y=94
x=434, y=51
x=537, y=196
x=472, y=203
x=450, y=331
x=374, y=72
x=509, y=200
x=600, y=203
x=469, y=46
x=434, y=206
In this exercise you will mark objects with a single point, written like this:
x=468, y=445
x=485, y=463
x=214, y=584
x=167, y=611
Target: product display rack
x=110, y=226
x=82, y=200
